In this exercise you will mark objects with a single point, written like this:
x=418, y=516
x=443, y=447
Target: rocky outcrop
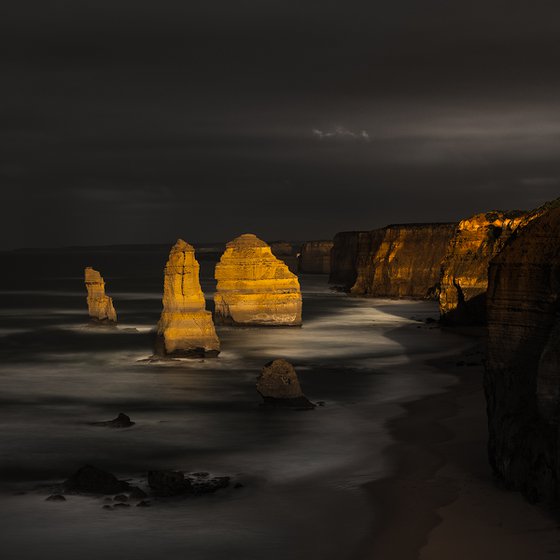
x=464, y=273
x=185, y=328
x=347, y=245
x=287, y=253
x=522, y=378
x=91, y=480
x=278, y=385
x=315, y=257
x=100, y=305
x=402, y=260
x=254, y=287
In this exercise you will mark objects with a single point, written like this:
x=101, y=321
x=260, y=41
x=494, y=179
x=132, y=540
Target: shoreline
x=442, y=501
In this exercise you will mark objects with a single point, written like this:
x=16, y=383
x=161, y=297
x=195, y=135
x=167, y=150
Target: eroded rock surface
x=91, y=480
x=278, y=385
x=315, y=257
x=254, y=287
x=464, y=275
x=402, y=260
x=185, y=328
x=522, y=379
x=100, y=305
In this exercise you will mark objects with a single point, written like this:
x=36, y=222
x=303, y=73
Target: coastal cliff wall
x=522, y=378
x=315, y=257
x=344, y=254
x=464, y=271
x=402, y=260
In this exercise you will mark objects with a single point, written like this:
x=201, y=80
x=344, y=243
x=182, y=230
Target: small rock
x=278, y=385
x=121, y=498
x=121, y=421
x=137, y=493
x=121, y=505
x=91, y=480
x=106, y=507
x=320, y=403
x=208, y=485
x=168, y=483
x=238, y=485
x=55, y=498
x=143, y=503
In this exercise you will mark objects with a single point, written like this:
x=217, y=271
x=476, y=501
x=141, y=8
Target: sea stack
x=100, y=305
x=464, y=271
x=522, y=378
x=254, y=287
x=278, y=385
x=185, y=328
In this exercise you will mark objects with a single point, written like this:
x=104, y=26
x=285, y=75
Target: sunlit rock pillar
x=185, y=328
x=254, y=287
x=100, y=305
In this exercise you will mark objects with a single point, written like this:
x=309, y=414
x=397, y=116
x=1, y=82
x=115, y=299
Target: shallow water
x=302, y=471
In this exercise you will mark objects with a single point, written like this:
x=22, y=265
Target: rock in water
x=315, y=257
x=168, y=483
x=254, y=287
x=464, y=273
x=278, y=385
x=91, y=480
x=522, y=378
x=185, y=328
x=100, y=305
x=121, y=421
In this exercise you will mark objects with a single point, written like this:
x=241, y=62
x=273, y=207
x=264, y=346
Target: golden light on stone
x=185, y=326
x=254, y=287
x=100, y=305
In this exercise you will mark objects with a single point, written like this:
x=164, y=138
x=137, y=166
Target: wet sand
x=443, y=502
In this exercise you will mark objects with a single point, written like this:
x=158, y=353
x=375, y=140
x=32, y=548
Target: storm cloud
x=142, y=121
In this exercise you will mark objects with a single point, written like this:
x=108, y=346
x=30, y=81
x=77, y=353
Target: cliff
x=185, y=328
x=344, y=254
x=464, y=274
x=402, y=260
x=100, y=305
x=522, y=378
x=315, y=257
x=254, y=287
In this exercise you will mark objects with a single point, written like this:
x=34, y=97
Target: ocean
x=301, y=473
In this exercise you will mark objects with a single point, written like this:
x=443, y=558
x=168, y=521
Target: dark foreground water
x=302, y=472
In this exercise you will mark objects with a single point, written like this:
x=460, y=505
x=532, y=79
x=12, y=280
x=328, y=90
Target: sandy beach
x=443, y=502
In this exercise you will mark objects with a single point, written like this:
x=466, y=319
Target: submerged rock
x=100, y=305
x=185, y=328
x=121, y=421
x=278, y=385
x=55, y=498
x=522, y=377
x=254, y=287
x=91, y=480
x=168, y=483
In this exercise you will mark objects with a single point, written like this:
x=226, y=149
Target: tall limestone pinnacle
x=100, y=305
x=185, y=327
x=254, y=287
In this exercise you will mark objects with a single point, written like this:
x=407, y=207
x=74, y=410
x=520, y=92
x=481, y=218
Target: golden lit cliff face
x=401, y=260
x=464, y=276
x=254, y=287
x=100, y=305
x=185, y=325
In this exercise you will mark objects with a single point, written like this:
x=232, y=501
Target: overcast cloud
x=133, y=121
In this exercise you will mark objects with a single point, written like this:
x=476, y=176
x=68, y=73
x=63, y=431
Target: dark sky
x=132, y=121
